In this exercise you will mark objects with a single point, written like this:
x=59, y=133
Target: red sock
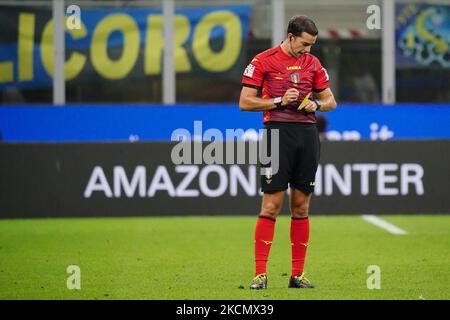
x=264, y=231
x=299, y=242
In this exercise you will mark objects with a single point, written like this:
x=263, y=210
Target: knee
x=300, y=209
x=271, y=208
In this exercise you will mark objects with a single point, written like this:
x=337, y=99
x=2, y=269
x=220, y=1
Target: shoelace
x=259, y=278
x=302, y=278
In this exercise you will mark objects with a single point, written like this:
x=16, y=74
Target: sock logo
x=302, y=244
x=267, y=242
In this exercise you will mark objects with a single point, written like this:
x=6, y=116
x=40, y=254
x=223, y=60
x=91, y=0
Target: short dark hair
x=299, y=24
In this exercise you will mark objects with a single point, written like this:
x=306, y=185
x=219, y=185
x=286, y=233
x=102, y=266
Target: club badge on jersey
x=295, y=78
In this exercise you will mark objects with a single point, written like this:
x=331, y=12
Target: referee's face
x=301, y=44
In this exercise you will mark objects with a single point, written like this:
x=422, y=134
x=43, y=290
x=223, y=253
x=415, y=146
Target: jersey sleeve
x=321, y=78
x=253, y=74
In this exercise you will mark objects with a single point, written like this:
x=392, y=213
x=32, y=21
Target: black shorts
x=299, y=153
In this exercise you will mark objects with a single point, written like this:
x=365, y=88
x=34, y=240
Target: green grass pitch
x=212, y=258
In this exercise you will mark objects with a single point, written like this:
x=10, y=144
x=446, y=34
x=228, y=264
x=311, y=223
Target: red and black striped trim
x=267, y=217
x=251, y=86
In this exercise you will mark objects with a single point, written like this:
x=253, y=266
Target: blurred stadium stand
x=351, y=52
x=114, y=93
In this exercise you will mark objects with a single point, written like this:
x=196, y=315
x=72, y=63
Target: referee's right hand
x=290, y=96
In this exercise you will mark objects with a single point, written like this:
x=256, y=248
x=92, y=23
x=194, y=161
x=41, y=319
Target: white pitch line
x=383, y=224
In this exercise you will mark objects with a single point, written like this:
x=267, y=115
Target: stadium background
x=98, y=143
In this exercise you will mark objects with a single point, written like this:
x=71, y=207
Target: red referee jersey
x=274, y=72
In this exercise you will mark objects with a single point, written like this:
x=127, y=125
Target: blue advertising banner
x=116, y=44
x=422, y=36
x=89, y=123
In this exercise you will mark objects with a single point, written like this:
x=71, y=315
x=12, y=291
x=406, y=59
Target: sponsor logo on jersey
x=293, y=68
x=249, y=70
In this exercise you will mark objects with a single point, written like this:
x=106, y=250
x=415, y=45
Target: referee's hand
x=310, y=106
x=290, y=96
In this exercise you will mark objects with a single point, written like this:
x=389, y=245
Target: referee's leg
x=299, y=204
x=264, y=232
x=272, y=203
x=299, y=233
x=302, y=187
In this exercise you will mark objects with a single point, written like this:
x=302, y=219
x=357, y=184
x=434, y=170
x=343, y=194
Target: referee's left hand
x=310, y=106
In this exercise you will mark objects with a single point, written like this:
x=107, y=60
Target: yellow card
x=302, y=105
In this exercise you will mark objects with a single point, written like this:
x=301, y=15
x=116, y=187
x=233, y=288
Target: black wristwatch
x=319, y=105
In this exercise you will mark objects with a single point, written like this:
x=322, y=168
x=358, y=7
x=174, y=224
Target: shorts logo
x=249, y=70
x=268, y=174
x=312, y=183
x=295, y=78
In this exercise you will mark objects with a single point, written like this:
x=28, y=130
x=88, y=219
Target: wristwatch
x=277, y=102
x=319, y=105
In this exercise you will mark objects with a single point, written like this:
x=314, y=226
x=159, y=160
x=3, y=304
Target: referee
x=289, y=85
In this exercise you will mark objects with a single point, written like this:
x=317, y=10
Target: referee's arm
x=249, y=100
x=327, y=100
